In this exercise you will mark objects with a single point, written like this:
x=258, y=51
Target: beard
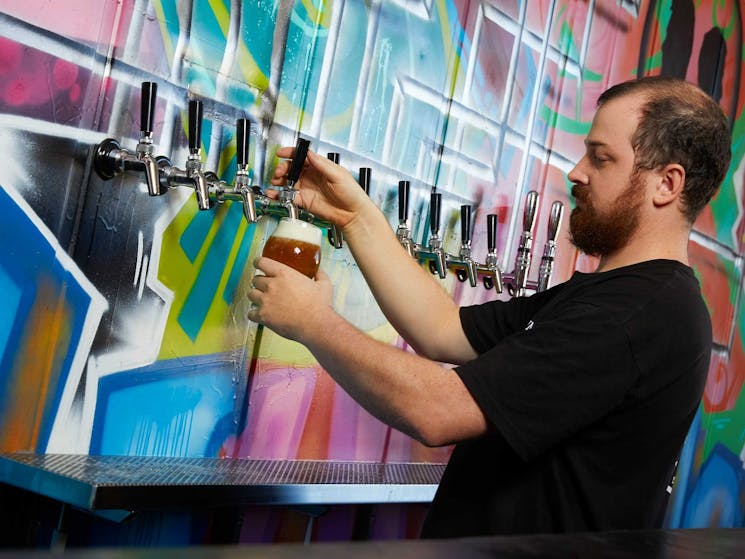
x=599, y=233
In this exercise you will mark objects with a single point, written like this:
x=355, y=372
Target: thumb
x=322, y=276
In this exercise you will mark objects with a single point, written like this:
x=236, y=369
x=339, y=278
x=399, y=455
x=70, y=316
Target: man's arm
x=416, y=305
x=415, y=395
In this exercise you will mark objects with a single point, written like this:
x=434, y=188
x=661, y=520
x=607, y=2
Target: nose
x=577, y=175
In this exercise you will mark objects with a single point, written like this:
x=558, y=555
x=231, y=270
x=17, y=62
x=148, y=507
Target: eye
x=598, y=158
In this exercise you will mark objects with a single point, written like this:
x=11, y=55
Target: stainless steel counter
x=135, y=482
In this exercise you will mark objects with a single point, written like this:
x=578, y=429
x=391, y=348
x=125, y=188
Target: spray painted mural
x=123, y=326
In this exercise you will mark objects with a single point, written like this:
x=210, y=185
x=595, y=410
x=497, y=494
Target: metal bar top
x=142, y=482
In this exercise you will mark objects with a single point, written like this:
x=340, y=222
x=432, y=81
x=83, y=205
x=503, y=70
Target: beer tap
x=111, y=159
x=549, y=249
x=434, y=252
x=242, y=191
x=364, y=179
x=403, y=232
x=525, y=248
x=288, y=191
x=465, y=266
x=492, y=274
x=192, y=175
x=334, y=232
x=194, y=161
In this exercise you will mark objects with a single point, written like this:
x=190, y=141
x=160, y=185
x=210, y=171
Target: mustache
x=579, y=193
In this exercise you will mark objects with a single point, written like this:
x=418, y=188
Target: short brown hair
x=679, y=123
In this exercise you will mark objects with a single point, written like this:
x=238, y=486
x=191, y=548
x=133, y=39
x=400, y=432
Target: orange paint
x=36, y=369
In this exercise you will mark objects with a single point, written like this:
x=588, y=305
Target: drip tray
x=143, y=482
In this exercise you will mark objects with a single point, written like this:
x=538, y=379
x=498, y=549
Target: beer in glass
x=296, y=243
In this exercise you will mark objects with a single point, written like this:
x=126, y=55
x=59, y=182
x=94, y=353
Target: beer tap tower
x=110, y=160
x=160, y=175
x=464, y=266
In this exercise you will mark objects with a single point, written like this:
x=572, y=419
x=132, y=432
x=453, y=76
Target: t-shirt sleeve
x=486, y=324
x=540, y=385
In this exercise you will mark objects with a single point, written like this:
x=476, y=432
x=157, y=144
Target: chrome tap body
x=549, y=249
x=465, y=266
x=525, y=248
x=403, y=233
x=434, y=252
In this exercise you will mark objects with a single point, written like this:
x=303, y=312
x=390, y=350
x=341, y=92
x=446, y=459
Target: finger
x=322, y=276
x=286, y=152
x=274, y=268
x=260, y=282
x=253, y=314
x=254, y=295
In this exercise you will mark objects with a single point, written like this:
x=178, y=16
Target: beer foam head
x=289, y=228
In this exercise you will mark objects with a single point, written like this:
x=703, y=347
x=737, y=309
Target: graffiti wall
x=123, y=327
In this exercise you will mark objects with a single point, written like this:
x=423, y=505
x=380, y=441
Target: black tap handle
x=364, y=179
x=242, y=138
x=465, y=223
x=298, y=160
x=147, y=106
x=195, y=125
x=333, y=156
x=435, y=200
x=403, y=200
x=491, y=232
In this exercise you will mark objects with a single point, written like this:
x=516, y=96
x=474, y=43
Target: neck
x=670, y=246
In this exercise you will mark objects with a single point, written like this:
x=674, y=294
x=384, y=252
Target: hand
x=288, y=302
x=324, y=188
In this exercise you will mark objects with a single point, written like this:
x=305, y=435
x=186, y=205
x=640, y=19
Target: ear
x=671, y=179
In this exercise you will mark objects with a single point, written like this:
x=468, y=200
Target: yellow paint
x=223, y=329
x=320, y=16
x=161, y=17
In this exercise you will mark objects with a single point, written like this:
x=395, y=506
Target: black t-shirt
x=589, y=389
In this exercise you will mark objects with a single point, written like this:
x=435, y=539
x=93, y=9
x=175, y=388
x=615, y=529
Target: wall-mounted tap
x=465, y=267
x=364, y=179
x=492, y=274
x=241, y=191
x=194, y=160
x=334, y=232
x=403, y=232
x=434, y=252
x=192, y=176
x=288, y=191
x=525, y=248
x=549, y=249
x=110, y=159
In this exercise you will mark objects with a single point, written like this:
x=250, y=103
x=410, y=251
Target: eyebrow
x=594, y=143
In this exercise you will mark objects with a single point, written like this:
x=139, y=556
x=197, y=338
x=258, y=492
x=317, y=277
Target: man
x=570, y=406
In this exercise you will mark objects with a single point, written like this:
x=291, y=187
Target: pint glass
x=296, y=243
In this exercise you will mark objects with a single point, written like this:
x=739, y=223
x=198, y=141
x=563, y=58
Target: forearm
x=416, y=305
x=417, y=396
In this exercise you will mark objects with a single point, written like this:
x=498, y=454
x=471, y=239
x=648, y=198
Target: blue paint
x=236, y=273
x=714, y=501
x=10, y=299
x=204, y=290
x=146, y=403
x=196, y=232
x=26, y=268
